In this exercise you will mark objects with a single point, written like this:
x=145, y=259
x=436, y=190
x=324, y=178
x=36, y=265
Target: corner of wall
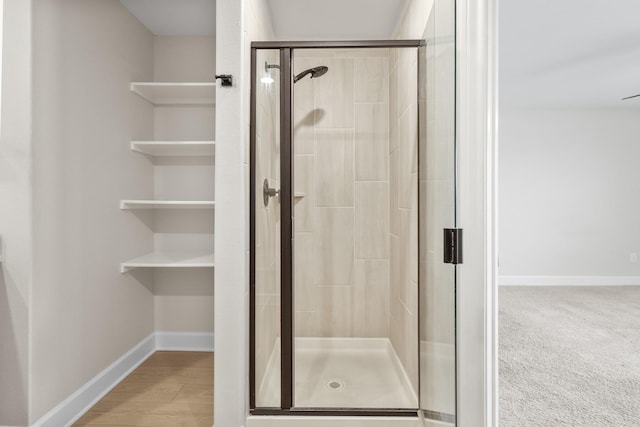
x=231, y=237
x=16, y=226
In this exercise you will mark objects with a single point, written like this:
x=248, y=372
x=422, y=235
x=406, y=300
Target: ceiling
x=569, y=53
x=175, y=17
x=292, y=19
x=553, y=53
x=335, y=19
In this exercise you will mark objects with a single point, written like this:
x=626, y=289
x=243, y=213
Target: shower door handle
x=268, y=192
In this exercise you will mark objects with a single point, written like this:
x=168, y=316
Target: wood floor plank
x=180, y=359
x=127, y=386
x=142, y=396
x=173, y=376
x=195, y=393
x=143, y=392
x=171, y=389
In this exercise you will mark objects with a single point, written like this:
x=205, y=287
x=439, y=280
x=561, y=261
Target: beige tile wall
x=403, y=148
x=341, y=139
x=403, y=213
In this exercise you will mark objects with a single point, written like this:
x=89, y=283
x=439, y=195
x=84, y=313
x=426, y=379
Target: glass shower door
x=352, y=183
x=265, y=233
x=355, y=136
x=437, y=184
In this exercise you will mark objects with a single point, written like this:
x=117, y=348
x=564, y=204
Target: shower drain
x=335, y=385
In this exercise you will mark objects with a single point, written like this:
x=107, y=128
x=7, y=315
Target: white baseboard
x=184, y=341
x=73, y=407
x=568, y=280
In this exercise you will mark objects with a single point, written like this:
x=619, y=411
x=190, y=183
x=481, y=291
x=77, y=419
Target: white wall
x=237, y=24
x=183, y=298
x=85, y=313
x=15, y=213
x=184, y=58
x=569, y=185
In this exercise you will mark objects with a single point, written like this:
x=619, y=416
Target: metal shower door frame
x=287, y=380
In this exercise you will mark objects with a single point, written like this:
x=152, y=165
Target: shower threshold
x=344, y=373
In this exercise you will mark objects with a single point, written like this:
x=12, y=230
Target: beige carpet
x=570, y=356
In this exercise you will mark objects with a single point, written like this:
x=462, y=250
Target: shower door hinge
x=453, y=245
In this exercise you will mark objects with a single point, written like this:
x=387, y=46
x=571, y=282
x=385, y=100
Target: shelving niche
x=173, y=95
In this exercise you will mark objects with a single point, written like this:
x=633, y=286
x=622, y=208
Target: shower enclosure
x=352, y=184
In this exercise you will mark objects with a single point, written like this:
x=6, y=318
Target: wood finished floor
x=170, y=389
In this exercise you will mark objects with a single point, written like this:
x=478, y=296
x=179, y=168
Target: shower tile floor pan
x=348, y=373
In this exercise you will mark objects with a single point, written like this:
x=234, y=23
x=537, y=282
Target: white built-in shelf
x=166, y=204
x=169, y=260
x=298, y=195
x=174, y=148
x=159, y=93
